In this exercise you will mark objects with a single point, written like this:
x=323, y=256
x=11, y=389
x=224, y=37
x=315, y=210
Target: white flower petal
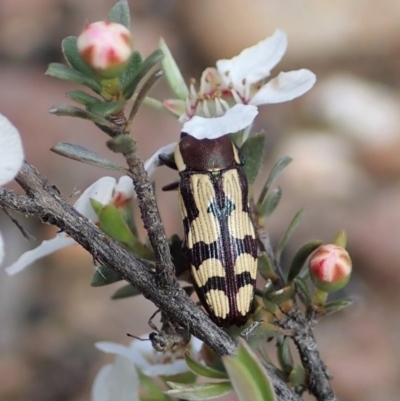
x=47, y=247
x=124, y=187
x=254, y=63
x=112, y=348
x=101, y=190
x=166, y=369
x=11, y=152
x=116, y=382
x=152, y=163
x=286, y=86
x=1, y=249
x=235, y=119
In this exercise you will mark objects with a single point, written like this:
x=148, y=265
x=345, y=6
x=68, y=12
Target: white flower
x=11, y=158
x=240, y=116
x=116, y=382
x=106, y=191
x=242, y=80
x=11, y=152
x=148, y=360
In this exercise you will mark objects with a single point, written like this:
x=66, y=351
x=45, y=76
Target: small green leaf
x=336, y=306
x=341, y=239
x=83, y=97
x=104, y=275
x=71, y=54
x=72, y=111
x=173, y=74
x=206, y=391
x=96, y=205
x=134, y=80
x=150, y=389
x=248, y=376
x=203, y=370
x=287, y=235
x=125, y=292
x=279, y=166
x=284, y=354
x=66, y=73
x=270, y=203
x=266, y=268
x=113, y=224
x=120, y=14
x=303, y=291
x=297, y=376
x=300, y=258
x=282, y=295
x=253, y=150
x=83, y=155
x=262, y=332
x=133, y=64
x=105, y=109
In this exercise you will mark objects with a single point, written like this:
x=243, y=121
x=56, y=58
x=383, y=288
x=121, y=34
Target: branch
x=45, y=202
x=318, y=378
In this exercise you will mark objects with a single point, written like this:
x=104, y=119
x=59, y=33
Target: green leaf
x=120, y=14
x=105, y=109
x=282, y=295
x=96, y=205
x=336, y=306
x=104, y=275
x=341, y=239
x=173, y=74
x=133, y=64
x=248, y=377
x=83, y=97
x=287, y=235
x=66, y=73
x=134, y=80
x=206, y=391
x=284, y=354
x=266, y=268
x=125, y=292
x=300, y=258
x=203, y=370
x=151, y=391
x=113, y=224
x=303, y=291
x=297, y=376
x=270, y=203
x=71, y=54
x=83, y=155
x=72, y=111
x=253, y=150
x=279, y=166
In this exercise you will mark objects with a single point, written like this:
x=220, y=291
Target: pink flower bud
x=105, y=47
x=330, y=268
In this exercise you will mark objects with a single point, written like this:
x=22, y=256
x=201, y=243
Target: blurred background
x=344, y=137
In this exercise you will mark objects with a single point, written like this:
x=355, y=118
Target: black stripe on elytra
x=218, y=283
x=201, y=251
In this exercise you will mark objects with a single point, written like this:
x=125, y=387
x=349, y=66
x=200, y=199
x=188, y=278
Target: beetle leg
x=171, y=187
x=166, y=160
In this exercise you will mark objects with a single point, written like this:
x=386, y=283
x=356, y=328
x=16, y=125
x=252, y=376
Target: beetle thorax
x=206, y=154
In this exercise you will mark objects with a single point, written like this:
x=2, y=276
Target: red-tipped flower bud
x=330, y=268
x=105, y=47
